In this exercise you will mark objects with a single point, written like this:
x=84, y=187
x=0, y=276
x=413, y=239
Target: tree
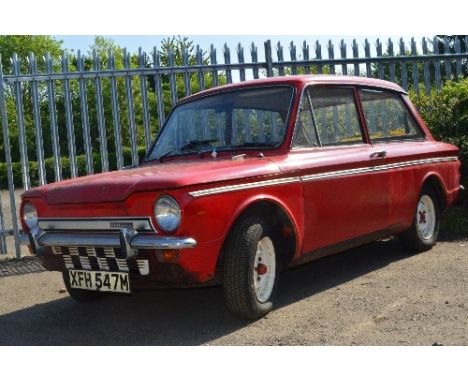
x=23, y=45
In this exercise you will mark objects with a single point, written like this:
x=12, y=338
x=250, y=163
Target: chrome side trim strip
x=244, y=186
x=319, y=176
x=362, y=170
x=96, y=224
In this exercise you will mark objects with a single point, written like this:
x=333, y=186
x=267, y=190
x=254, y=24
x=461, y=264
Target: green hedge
x=446, y=114
x=65, y=163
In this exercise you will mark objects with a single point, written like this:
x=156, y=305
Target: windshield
x=254, y=117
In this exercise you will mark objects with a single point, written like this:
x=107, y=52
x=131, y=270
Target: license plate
x=100, y=281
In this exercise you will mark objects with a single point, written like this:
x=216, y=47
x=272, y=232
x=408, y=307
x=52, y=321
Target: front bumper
x=129, y=241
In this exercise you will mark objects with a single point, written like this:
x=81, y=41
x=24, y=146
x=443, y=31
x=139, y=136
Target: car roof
x=296, y=80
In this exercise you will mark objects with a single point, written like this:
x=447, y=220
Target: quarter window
x=387, y=118
x=305, y=131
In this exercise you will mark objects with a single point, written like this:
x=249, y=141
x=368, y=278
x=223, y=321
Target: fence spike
x=378, y=47
x=391, y=54
x=414, y=52
x=404, y=73
x=23, y=146
x=144, y=98
x=158, y=87
x=458, y=61
x=318, y=56
x=292, y=54
x=331, y=55
x=437, y=73
x=240, y=59
x=37, y=121
x=356, y=55
x=227, y=61
x=85, y=116
x=54, y=133
x=279, y=54
x=427, y=79
x=448, y=63
x=368, y=56
x=306, y=56
x=344, y=67
x=100, y=112
x=254, y=54
x=115, y=110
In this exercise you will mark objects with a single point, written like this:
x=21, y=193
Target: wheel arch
x=434, y=181
x=274, y=211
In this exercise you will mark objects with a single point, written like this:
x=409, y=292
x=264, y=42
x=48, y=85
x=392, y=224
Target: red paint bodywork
x=322, y=213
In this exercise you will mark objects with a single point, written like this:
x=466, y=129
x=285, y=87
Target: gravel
x=378, y=294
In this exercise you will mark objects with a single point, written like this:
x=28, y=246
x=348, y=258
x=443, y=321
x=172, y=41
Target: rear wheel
x=422, y=235
x=250, y=269
x=79, y=295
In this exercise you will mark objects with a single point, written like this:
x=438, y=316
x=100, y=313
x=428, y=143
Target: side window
x=335, y=115
x=305, y=135
x=387, y=117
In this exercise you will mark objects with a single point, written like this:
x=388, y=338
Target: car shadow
x=178, y=317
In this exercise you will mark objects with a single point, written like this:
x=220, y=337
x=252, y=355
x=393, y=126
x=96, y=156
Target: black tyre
x=250, y=269
x=422, y=235
x=80, y=295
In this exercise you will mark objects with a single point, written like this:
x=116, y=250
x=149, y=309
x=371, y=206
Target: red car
x=245, y=180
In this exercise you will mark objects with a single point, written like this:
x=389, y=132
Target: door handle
x=379, y=154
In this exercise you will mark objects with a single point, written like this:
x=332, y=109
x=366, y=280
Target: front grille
x=104, y=259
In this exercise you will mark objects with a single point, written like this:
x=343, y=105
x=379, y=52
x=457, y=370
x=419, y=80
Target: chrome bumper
x=127, y=240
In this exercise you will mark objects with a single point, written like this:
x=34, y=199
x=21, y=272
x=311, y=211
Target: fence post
x=268, y=58
x=53, y=119
x=69, y=119
x=404, y=73
x=3, y=244
x=21, y=124
x=6, y=145
x=85, y=115
x=115, y=111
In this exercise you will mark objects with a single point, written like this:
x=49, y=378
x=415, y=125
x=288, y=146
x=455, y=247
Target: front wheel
x=422, y=235
x=250, y=269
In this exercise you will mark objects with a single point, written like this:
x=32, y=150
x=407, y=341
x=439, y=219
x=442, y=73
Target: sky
x=146, y=42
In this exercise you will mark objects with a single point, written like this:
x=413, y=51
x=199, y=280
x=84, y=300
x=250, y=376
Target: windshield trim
x=221, y=91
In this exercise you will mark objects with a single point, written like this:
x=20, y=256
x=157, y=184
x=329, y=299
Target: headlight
x=30, y=215
x=167, y=213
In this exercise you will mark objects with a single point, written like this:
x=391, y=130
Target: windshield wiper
x=196, y=143
x=256, y=144
x=163, y=155
x=175, y=154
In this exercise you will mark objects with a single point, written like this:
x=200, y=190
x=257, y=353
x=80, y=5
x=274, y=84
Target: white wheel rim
x=264, y=270
x=425, y=217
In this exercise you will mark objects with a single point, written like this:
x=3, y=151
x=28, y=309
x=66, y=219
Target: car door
x=344, y=197
x=393, y=130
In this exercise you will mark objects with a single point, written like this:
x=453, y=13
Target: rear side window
x=387, y=117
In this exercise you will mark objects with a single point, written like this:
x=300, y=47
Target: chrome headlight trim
x=30, y=215
x=167, y=213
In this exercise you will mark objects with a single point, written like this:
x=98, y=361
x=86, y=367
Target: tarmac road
x=378, y=294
